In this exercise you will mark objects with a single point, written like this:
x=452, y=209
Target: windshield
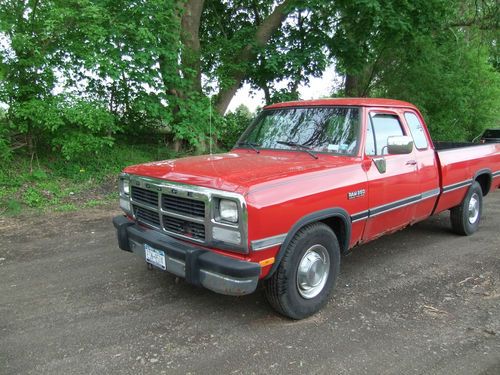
x=319, y=129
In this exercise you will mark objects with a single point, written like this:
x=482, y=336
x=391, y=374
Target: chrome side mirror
x=399, y=145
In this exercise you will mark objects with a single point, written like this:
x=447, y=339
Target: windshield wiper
x=299, y=146
x=252, y=145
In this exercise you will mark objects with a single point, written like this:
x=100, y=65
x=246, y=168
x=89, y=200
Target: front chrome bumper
x=198, y=266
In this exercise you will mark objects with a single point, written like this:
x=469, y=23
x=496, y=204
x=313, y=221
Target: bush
x=233, y=125
x=55, y=183
x=5, y=150
x=86, y=130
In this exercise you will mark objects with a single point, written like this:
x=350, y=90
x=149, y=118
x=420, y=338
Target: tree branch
x=262, y=35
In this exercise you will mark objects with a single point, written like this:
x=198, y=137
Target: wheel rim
x=313, y=271
x=473, y=208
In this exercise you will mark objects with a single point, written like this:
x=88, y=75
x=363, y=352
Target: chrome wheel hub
x=313, y=271
x=473, y=208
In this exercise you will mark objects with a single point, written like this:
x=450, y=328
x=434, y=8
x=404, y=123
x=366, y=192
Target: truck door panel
x=428, y=168
x=392, y=195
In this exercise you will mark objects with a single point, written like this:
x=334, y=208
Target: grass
x=52, y=184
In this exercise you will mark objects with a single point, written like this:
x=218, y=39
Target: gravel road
x=421, y=301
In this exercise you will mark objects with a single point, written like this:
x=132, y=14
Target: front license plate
x=155, y=257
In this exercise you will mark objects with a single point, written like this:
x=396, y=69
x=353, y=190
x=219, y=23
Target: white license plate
x=155, y=257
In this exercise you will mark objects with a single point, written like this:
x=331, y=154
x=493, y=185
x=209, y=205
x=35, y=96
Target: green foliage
x=33, y=197
x=13, y=207
x=233, y=126
x=82, y=82
x=193, y=120
x=66, y=207
x=451, y=82
x=86, y=130
x=5, y=150
x=294, y=53
x=62, y=184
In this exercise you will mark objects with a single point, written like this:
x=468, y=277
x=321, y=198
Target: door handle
x=411, y=162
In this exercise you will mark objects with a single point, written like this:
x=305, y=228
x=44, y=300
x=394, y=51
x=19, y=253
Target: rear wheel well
x=484, y=181
x=339, y=228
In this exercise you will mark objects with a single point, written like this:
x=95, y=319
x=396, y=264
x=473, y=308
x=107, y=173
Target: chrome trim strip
x=142, y=205
x=379, y=210
x=194, y=219
x=227, y=285
x=394, y=205
x=268, y=242
x=456, y=186
x=430, y=193
x=363, y=215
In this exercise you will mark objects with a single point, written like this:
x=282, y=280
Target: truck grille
x=147, y=216
x=184, y=227
x=184, y=211
x=183, y=205
x=169, y=211
x=144, y=196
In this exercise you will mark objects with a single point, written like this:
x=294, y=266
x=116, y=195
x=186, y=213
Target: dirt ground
x=421, y=301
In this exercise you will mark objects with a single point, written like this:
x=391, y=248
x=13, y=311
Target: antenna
x=210, y=126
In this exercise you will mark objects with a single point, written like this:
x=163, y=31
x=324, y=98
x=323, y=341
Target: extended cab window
x=382, y=127
x=321, y=129
x=417, y=130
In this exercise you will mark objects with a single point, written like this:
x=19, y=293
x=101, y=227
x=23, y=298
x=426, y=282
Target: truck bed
x=443, y=145
x=460, y=163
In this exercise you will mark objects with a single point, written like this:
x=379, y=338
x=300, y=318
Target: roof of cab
x=364, y=102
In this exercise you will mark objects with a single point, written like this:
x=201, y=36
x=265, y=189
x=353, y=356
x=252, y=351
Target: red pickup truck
x=306, y=182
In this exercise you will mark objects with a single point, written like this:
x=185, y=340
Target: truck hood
x=237, y=170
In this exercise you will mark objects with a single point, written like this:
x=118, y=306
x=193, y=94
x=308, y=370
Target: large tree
x=135, y=64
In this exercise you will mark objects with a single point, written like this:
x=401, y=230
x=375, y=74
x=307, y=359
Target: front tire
x=465, y=218
x=306, y=275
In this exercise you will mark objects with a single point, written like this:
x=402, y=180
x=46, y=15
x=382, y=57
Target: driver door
x=391, y=194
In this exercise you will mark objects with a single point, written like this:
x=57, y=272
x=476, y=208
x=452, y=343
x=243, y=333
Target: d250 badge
x=356, y=194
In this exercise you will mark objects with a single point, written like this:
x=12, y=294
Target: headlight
x=125, y=186
x=228, y=211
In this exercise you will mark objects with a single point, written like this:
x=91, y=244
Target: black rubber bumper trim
x=121, y=224
x=194, y=257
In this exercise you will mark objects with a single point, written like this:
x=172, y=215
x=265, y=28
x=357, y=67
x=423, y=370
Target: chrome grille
x=184, y=211
x=144, y=196
x=147, y=216
x=185, y=206
x=184, y=227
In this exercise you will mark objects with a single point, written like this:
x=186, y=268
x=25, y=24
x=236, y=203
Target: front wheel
x=306, y=275
x=465, y=218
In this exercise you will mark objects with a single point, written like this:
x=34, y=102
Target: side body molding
x=328, y=213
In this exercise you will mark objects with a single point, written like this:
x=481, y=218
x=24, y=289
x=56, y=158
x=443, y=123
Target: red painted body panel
x=461, y=164
x=239, y=170
x=283, y=186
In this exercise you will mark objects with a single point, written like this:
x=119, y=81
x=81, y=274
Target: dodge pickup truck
x=306, y=183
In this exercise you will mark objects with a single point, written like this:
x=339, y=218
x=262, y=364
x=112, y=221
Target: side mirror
x=399, y=145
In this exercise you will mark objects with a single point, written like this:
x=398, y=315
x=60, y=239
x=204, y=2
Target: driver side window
x=380, y=127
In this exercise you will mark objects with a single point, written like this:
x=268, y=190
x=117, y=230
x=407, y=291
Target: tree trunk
x=351, y=85
x=267, y=93
x=190, y=37
x=262, y=35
